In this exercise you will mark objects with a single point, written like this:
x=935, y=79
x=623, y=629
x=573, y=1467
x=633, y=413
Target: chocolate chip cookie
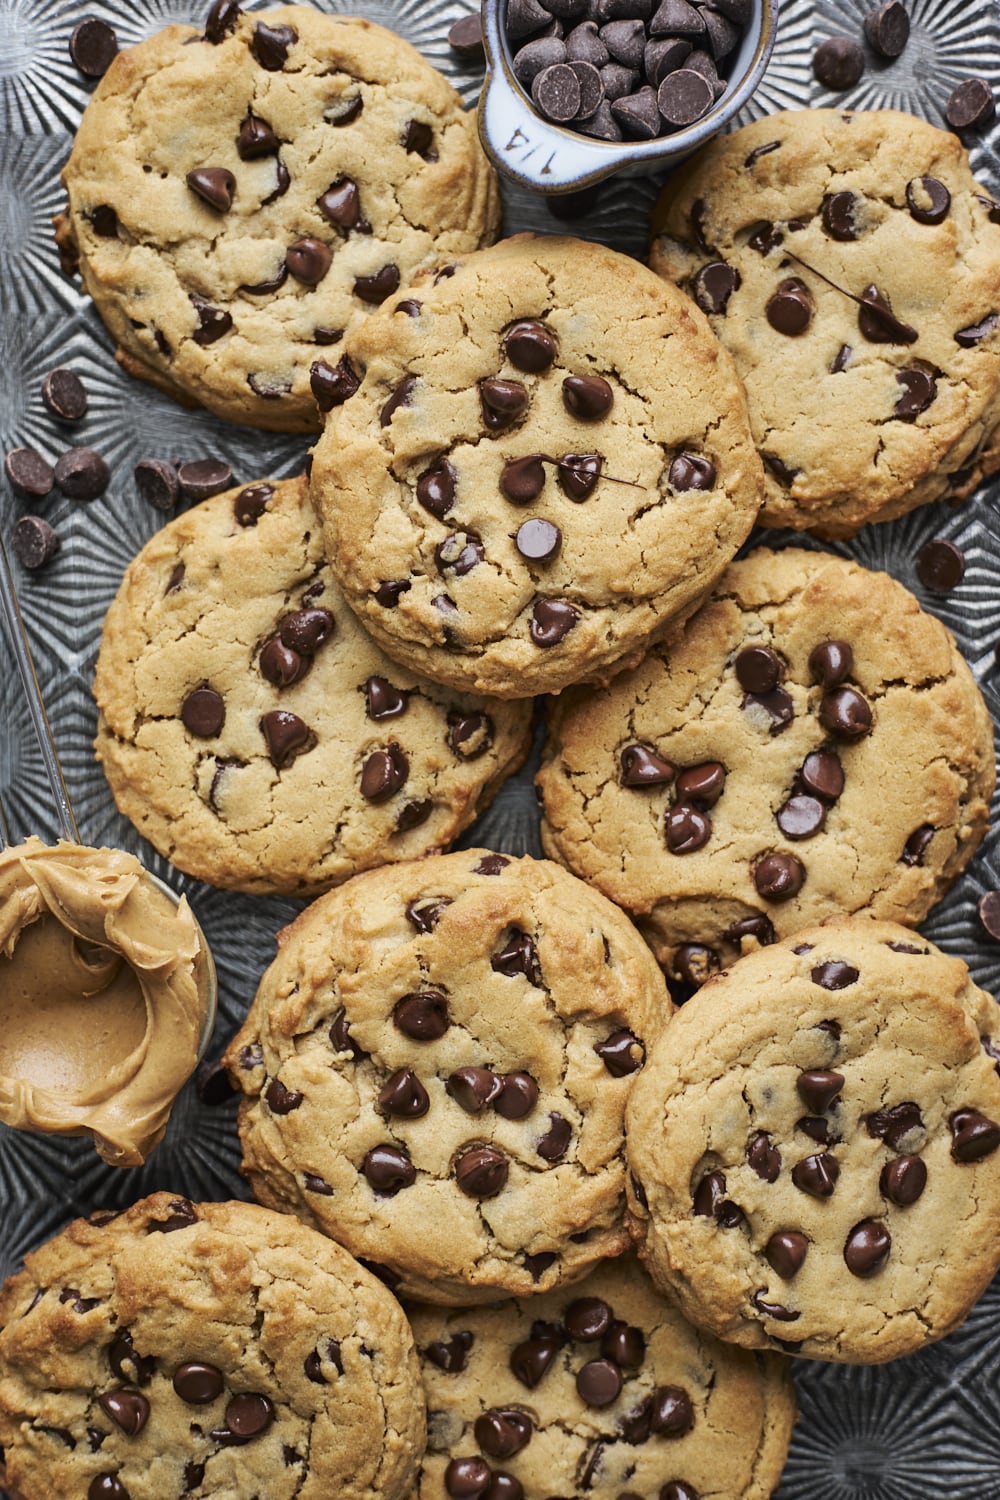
x=240, y=198
x=604, y=1390
x=436, y=1067
x=252, y=731
x=540, y=460
x=812, y=742
x=204, y=1349
x=851, y=263
x=832, y=1179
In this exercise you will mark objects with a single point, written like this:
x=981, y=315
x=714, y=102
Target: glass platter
x=923, y=1427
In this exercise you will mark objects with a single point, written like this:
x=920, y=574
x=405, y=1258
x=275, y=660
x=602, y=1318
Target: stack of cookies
x=465, y=1086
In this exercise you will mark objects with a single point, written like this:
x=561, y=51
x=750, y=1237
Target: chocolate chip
x=481, y=1172
x=713, y=286
x=64, y=394
x=817, y=1175
x=501, y=401
x=530, y=346
x=928, y=200
x=888, y=28
x=157, y=483
x=551, y=621
x=422, y=1015
x=305, y=630
x=988, y=910
x=222, y=18
x=838, y=63
x=970, y=106
x=29, y=474
x=919, y=389
x=878, y=322
x=341, y=203
x=518, y=1096
x=672, y=1411
x=465, y=38
x=687, y=829
x=691, y=471
x=523, y=479
x=621, y=1342
x=778, y=877
x=126, y=1364
x=404, y=1095
x=34, y=542
x=436, y=488
x=285, y=734
x=764, y=1157
x=790, y=309
x=818, y=1088
x=502, y=1432
x=902, y=1181
x=664, y=55
x=587, y=397
x=677, y=18
x=841, y=359
x=801, y=816
x=93, y=46
x=459, y=553
x=846, y=714
x=255, y=139
x=538, y=540
x=382, y=700
x=251, y=503
x=198, y=1384
x=637, y=113
x=332, y=386
x=203, y=712
x=684, y=96
x=469, y=735
x=388, y=1170
x=270, y=45
x=599, y=1382
x=517, y=956
x=578, y=474
x=451, y=1355
x=81, y=474
x=249, y=1414
x=282, y=1100
x=491, y=864
x=702, y=784
x=375, y=289
x=917, y=844
x=587, y=1319
x=641, y=767
x=866, y=1248
x=383, y=773
x=584, y=45
x=695, y=964
x=538, y=1264
x=831, y=662
x=973, y=1135
x=308, y=260
x=418, y=138
x=625, y=39
x=127, y=1409
x=530, y=1360
x=839, y=215
x=554, y=1144
x=212, y=1084
x=467, y=1478
x=834, y=975
x=104, y=221
x=200, y=478
x=709, y=1195
x=473, y=1088
x=758, y=669
x=940, y=565
x=107, y=1486
x=758, y=927
x=401, y=396
x=272, y=284
x=968, y=338
x=823, y=775
x=622, y=1053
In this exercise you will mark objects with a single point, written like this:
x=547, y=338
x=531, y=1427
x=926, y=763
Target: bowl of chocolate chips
x=579, y=89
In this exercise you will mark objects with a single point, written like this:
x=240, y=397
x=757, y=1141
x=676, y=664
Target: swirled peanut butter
x=105, y=986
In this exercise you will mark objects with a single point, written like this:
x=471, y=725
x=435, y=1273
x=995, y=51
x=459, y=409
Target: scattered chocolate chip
x=817, y=1175
x=157, y=483
x=587, y=397
x=518, y=1096
x=691, y=471
x=888, y=28
x=530, y=346
x=376, y=288
x=758, y=927
x=451, y=1355
x=523, y=479
x=823, y=775
x=501, y=401
x=249, y=1414
x=834, y=975
x=713, y=286
x=93, y=46
x=272, y=284
x=695, y=964
x=970, y=106
x=214, y=185
x=492, y=864
x=469, y=735
x=422, y=1015
x=988, y=910
x=969, y=337
x=270, y=45
x=599, y=1382
x=382, y=700
x=285, y=734
x=127, y=1409
x=29, y=474
x=64, y=394
x=384, y=772
x=388, y=1170
x=838, y=63
x=940, y=565
x=764, y=1157
x=34, y=542
x=587, y=1319
x=831, y=662
x=465, y=38
x=902, y=1181
x=846, y=714
x=481, y=1171
x=198, y=1384
x=308, y=260
x=917, y=844
x=842, y=359
x=790, y=309
x=973, y=1135
x=684, y=96
x=818, y=1088
x=255, y=139
x=459, y=553
x=866, y=1248
x=200, y=478
x=709, y=1194
x=81, y=474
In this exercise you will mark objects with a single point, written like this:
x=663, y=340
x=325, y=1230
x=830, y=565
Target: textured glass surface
x=919, y=1429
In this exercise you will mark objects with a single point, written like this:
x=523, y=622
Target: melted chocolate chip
x=376, y=288
x=624, y=1344
x=823, y=775
x=554, y=1144
x=251, y=503
x=501, y=402
x=703, y=784
x=587, y=1319
x=817, y=1175
x=764, y=1157
x=333, y=385
x=687, y=829
x=418, y=138
x=775, y=1310
x=834, y=975
x=286, y=734
x=902, y=1181
x=451, y=1355
x=127, y=1409
x=672, y=1411
x=531, y=1360
x=423, y=915
x=203, y=712
x=518, y=956
x=928, y=200
x=846, y=714
x=801, y=817
x=578, y=474
x=587, y=397
x=214, y=186
x=422, y=1015
x=474, y=1088
x=256, y=138
x=641, y=767
x=878, y=322
x=401, y=396
x=867, y=1247
x=518, y=1096
x=551, y=621
x=778, y=877
x=383, y=774
x=917, y=844
x=789, y=310
x=530, y=346
x=758, y=669
x=691, y=471
x=969, y=337
x=388, y=1170
x=249, y=1414
x=436, y=488
x=818, y=1088
x=308, y=260
x=502, y=1431
x=481, y=1171
x=599, y=1382
x=523, y=479
x=403, y=1095
x=713, y=286
x=270, y=45
x=973, y=1135
x=919, y=389
x=695, y=964
x=383, y=701
x=198, y=1384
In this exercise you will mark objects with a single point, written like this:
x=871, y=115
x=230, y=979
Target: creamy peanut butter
x=105, y=988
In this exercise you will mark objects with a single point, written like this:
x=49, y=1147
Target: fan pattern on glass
x=917, y=1430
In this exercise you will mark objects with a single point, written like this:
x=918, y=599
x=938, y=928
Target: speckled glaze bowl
x=551, y=158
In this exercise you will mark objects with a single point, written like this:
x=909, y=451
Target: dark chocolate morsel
x=382, y=700
x=451, y=1355
x=341, y=203
x=481, y=1171
x=878, y=322
x=817, y=1175
x=376, y=288
x=918, y=391
x=838, y=63
x=198, y=1384
x=467, y=1478
x=775, y=1310
x=818, y=1088
x=333, y=385
x=501, y=402
x=465, y=37
x=801, y=816
x=282, y=1100
x=970, y=106
x=778, y=877
x=702, y=784
x=622, y=1053
x=624, y=1344
x=838, y=216
x=200, y=478
x=695, y=964
x=403, y=1095
x=538, y=540
x=551, y=621
x=127, y=1409
x=34, y=542
x=530, y=346
x=691, y=471
x=422, y=1015
x=107, y=1486
x=517, y=956
x=713, y=286
x=251, y=503
x=672, y=1411
x=81, y=474
x=578, y=474
x=554, y=1144
x=469, y=735
x=530, y=1360
x=256, y=138
x=687, y=828
x=587, y=397
x=764, y=1157
x=388, y=1170
x=831, y=662
x=436, y=488
x=834, y=975
x=502, y=1432
x=684, y=96
x=903, y=1180
x=473, y=1088
x=823, y=775
x=65, y=395
x=969, y=337
x=305, y=630
x=518, y=1096
x=270, y=45
x=157, y=483
x=308, y=260
x=401, y=396
x=709, y=1193
x=790, y=308
x=29, y=474
x=286, y=734
x=867, y=1247
x=459, y=553
x=846, y=714
x=587, y=1319
x=203, y=712
x=928, y=200
x=758, y=927
x=988, y=911
x=940, y=565
x=758, y=669
x=888, y=28
x=384, y=772
x=214, y=186
x=523, y=479
x=917, y=844
x=641, y=766
x=599, y=1382
x=418, y=138
x=973, y=1135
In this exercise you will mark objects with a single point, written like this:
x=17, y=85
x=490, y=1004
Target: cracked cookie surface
x=602, y=1389
x=832, y=1183
x=781, y=231
x=204, y=1349
x=547, y=463
x=436, y=1067
x=253, y=732
x=240, y=199
x=811, y=742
